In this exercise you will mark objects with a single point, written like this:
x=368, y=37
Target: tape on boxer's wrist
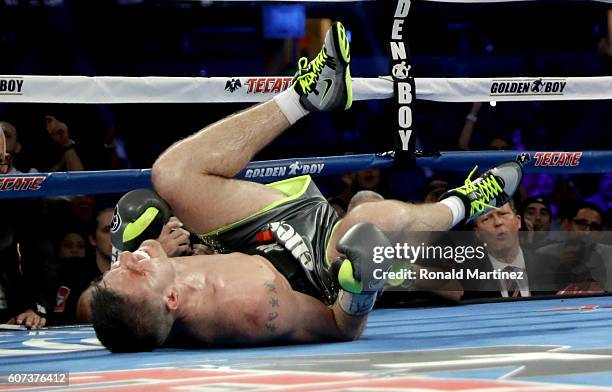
x=357, y=304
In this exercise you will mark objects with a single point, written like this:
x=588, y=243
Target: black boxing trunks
x=290, y=268
x=305, y=220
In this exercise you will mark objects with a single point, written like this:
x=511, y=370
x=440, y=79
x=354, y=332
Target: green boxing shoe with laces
x=325, y=82
x=491, y=190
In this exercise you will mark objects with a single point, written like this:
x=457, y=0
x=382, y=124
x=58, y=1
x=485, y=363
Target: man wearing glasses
x=585, y=262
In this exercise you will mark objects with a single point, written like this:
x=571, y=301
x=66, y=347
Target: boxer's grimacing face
x=142, y=274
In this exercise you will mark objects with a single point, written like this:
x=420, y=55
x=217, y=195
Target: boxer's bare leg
x=195, y=174
x=394, y=216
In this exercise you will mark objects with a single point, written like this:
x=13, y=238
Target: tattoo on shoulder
x=271, y=286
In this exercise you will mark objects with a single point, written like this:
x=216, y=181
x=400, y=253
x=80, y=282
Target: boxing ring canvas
x=535, y=345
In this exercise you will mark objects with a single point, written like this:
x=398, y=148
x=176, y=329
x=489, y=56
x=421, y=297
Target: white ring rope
x=111, y=89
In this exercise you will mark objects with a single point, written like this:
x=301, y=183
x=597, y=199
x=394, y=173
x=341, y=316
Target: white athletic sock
x=457, y=208
x=289, y=103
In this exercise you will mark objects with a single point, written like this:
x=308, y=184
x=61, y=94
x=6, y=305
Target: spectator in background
x=23, y=253
x=11, y=148
x=585, y=264
x=537, y=218
x=68, y=276
x=72, y=245
x=99, y=238
x=499, y=229
x=27, y=258
x=24, y=286
x=58, y=131
x=564, y=197
x=20, y=302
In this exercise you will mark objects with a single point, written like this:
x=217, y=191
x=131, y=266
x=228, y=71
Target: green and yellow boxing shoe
x=491, y=190
x=325, y=82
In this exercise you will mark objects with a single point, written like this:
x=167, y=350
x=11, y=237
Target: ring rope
x=119, y=181
x=157, y=89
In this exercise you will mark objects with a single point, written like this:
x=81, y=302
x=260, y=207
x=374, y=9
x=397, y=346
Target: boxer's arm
x=301, y=318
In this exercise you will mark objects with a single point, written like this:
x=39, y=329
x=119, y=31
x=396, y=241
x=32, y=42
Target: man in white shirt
x=499, y=230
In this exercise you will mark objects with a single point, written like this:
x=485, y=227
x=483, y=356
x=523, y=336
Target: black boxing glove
x=359, y=288
x=139, y=215
x=355, y=274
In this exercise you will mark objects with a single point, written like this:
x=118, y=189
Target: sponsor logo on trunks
x=14, y=183
x=291, y=240
x=294, y=169
x=270, y=248
x=517, y=87
x=268, y=85
x=557, y=159
x=400, y=72
x=11, y=86
x=233, y=85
